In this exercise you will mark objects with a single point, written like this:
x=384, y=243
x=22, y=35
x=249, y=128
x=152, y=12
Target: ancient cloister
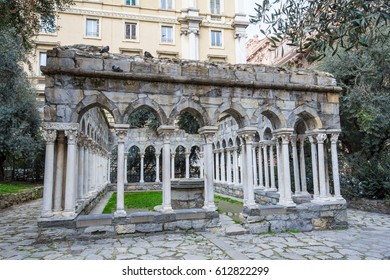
x=267, y=135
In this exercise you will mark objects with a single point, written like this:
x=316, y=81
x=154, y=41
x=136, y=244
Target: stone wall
x=7, y=200
x=370, y=205
x=303, y=217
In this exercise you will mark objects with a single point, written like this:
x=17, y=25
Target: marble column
x=314, y=161
x=90, y=165
x=86, y=165
x=201, y=163
x=272, y=165
x=59, y=174
x=302, y=164
x=260, y=161
x=217, y=166
x=121, y=133
x=321, y=137
x=109, y=168
x=70, y=186
x=254, y=166
x=229, y=166
x=125, y=173
x=208, y=132
x=266, y=174
x=80, y=189
x=157, y=167
x=335, y=167
x=297, y=183
x=142, y=180
x=187, y=155
x=172, y=165
x=50, y=136
x=166, y=132
x=223, y=175
x=286, y=171
x=279, y=168
x=235, y=166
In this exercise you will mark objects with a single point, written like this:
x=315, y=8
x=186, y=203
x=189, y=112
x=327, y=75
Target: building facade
x=208, y=30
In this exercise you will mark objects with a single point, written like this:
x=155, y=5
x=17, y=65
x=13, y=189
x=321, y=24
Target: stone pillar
x=90, y=165
x=86, y=165
x=286, y=171
x=70, y=187
x=50, y=136
x=121, y=133
x=279, y=167
x=248, y=134
x=254, y=166
x=80, y=188
x=217, y=166
x=187, y=154
x=157, y=167
x=272, y=165
x=172, y=165
x=321, y=137
x=235, y=166
x=166, y=131
x=94, y=172
x=208, y=132
x=59, y=174
x=297, y=183
x=223, y=175
x=302, y=164
x=314, y=161
x=266, y=174
x=326, y=170
x=335, y=167
x=141, y=180
x=260, y=161
x=229, y=166
x=201, y=167
x=125, y=181
x=109, y=168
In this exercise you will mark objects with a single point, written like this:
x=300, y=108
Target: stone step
x=234, y=230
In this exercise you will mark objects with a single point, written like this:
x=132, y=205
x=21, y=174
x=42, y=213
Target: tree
x=26, y=17
x=19, y=118
x=315, y=26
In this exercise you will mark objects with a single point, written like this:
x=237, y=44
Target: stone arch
x=273, y=113
x=235, y=110
x=96, y=101
x=308, y=115
x=187, y=105
x=146, y=103
x=230, y=142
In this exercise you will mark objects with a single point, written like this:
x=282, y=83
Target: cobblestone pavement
x=368, y=237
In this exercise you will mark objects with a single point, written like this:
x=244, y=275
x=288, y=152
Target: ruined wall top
x=87, y=61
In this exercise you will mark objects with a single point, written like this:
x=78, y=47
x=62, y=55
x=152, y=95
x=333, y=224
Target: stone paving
x=368, y=237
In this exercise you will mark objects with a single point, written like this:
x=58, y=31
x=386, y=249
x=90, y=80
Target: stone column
x=229, y=166
x=86, y=165
x=59, y=174
x=125, y=181
x=172, y=165
x=302, y=164
x=142, y=155
x=109, y=168
x=50, y=136
x=223, y=176
x=70, y=187
x=94, y=164
x=165, y=131
x=201, y=167
x=90, y=165
x=121, y=133
x=235, y=166
x=314, y=161
x=335, y=167
x=260, y=161
x=80, y=188
x=157, y=167
x=208, y=132
x=321, y=137
x=217, y=166
x=297, y=183
x=272, y=165
x=286, y=171
x=187, y=154
x=254, y=166
x=279, y=168
x=266, y=174
x=248, y=134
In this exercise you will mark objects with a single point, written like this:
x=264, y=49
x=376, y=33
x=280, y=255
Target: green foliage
x=137, y=200
x=317, y=26
x=188, y=123
x=14, y=188
x=25, y=17
x=143, y=118
x=228, y=199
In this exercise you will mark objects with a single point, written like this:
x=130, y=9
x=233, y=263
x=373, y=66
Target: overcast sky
x=250, y=6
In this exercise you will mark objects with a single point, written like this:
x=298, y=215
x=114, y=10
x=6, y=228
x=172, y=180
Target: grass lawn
x=227, y=199
x=6, y=188
x=135, y=200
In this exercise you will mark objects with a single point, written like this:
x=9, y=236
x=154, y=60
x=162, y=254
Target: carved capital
x=71, y=135
x=50, y=136
x=321, y=137
x=312, y=139
x=293, y=139
x=334, y=138
x=285, y=139
x=121, y=135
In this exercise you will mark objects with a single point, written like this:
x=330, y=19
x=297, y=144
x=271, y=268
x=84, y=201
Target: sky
x=250, y=6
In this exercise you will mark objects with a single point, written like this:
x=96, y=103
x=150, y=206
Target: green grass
x=7, y=188
x=230, y=200
x=135, y=200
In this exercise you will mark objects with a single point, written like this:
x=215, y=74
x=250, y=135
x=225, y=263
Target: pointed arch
x=273, y=113
x=235, y=110
x=149, y=104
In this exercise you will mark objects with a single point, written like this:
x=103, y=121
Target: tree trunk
x=2, y=160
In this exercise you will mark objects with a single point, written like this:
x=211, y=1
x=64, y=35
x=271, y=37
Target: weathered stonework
x=7, y=200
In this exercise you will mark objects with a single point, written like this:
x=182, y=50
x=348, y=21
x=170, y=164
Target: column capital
x=187, y=154
x=334, y=138
x=71, y=135
x=208, y=132
x=312, y=139
x=293, y=139
x=321, y=137
x=141, y=154
x=50, y=135
x=247, y=133
x=121, y=131
x=302, y=137
x=157, y=154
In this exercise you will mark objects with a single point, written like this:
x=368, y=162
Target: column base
x=210, y=207
x=157, y=181
x=273, y=189
x=287, y=203
x=120, y=213
x=250, y=205
x=47, y=214
x=163, y=209
x=69, y=214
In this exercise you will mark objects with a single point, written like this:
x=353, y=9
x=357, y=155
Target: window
x=166, y=34
x=215, y=6
x=92, y=28
x=166, y=4
x=130, y=2
x=216, y=38
x=42, y=61
x=48, y=25
x=130, y=31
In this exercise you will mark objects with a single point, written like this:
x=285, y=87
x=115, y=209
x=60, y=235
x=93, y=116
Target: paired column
x=297, y=183
x=286, y=200
x=266, y=174
x=335, y=167
x=59, y=175
x=208, y=132
x=314, y=161
x=70, y=187
x=50, y=137
x=121, y=133
x=302, y=164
